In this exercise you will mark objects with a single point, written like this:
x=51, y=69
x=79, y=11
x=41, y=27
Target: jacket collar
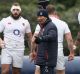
x=46, y=22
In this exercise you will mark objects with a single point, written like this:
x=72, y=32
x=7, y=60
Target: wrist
x=74, y=47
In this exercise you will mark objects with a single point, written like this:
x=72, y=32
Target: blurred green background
x=67, y=9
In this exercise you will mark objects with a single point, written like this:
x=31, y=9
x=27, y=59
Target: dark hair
x=16, y=4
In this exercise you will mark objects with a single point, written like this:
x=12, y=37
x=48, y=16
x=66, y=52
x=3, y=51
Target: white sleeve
x=28, y=28
x=79, y=17
x=37, y=29
x=1, y=26
x=67, y=30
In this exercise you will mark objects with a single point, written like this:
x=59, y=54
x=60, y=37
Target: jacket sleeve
x=51, y=35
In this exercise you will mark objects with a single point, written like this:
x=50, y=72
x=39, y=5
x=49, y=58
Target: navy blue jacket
x=47, y=48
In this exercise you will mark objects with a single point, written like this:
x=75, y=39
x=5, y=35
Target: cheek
x=15, y=12
x=41, y=20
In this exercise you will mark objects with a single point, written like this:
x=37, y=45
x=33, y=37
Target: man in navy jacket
x=47, y=44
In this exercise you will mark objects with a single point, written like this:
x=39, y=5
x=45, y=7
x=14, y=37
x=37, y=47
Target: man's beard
x=15, y=17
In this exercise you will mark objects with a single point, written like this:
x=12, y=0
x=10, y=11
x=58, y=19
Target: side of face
x=41, y=20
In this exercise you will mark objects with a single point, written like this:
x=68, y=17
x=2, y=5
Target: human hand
x=71, y=57
x=2, y=44
x=38, y=39
x=32, y=56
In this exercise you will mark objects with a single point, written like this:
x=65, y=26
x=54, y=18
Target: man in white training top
x=14, y=29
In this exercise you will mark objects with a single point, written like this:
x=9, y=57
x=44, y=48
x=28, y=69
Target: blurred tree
x=67, y=9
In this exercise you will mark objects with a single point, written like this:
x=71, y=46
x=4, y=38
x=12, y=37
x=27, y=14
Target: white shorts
x=60, y=63
x=14, y=57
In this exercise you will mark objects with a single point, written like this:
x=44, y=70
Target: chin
x=15, y=16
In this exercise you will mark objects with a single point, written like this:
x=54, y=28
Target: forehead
x=15, y=8
x=41, y=17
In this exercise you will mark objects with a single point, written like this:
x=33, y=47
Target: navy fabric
x=49, y=44
x=42, y=12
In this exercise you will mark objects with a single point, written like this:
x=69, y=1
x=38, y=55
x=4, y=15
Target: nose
x=39, y=18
